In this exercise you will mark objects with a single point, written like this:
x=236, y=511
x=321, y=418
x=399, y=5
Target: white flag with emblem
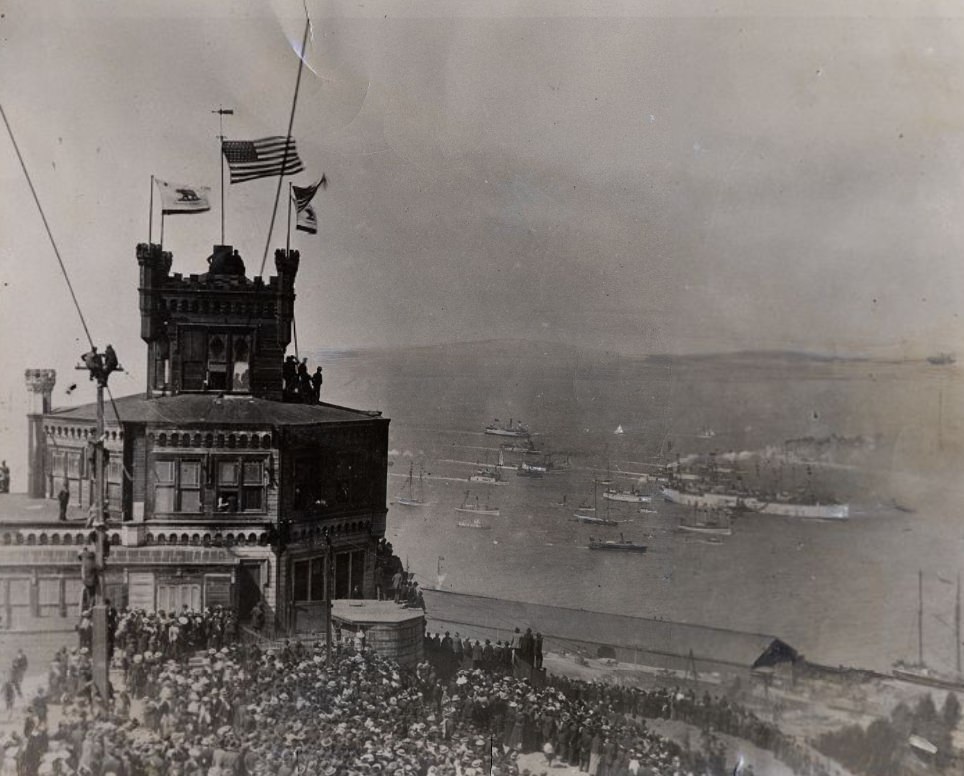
x=181, y=198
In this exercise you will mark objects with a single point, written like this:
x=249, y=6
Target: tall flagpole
x=284, y=158
x=222, y=112
x=294, y=325
x=162, y=228
x=150, y=216
x=288, y=238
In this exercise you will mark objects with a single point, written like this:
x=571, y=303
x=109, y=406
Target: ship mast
x=957, y=625
x=920, y=618
x=940, y=424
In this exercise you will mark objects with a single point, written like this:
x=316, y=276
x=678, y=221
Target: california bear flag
x=181, y=198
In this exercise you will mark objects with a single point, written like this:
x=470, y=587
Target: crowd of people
x=169, y=634
x=173, y=634
x=243, y=710
x=449, y=653
x=201, y=704
x=300, y=384
x=707, y=712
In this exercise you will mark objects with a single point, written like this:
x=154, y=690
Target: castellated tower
x=220, y=331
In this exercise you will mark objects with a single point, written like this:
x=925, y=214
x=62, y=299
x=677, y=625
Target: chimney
x=40, y=382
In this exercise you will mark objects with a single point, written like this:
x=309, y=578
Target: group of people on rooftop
x=300, y=385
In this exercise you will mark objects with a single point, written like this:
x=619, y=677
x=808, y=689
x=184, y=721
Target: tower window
x=218, y=360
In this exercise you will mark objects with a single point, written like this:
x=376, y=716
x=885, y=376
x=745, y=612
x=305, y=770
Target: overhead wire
x=60, y=261
x=43, y=216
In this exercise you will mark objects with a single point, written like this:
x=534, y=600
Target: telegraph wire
x=60, y=261
x=50, y=234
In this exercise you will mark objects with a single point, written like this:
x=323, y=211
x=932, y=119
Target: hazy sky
x=639, y=177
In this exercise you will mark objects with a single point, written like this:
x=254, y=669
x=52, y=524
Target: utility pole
x=330, y=579
x=100, y=367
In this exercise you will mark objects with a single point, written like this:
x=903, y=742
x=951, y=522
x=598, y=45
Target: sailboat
x=415, y=498
x=593, y=518
x=920, y=672
x=476, y=508
x=619, y=430
x=609, y=475
x=585, y=506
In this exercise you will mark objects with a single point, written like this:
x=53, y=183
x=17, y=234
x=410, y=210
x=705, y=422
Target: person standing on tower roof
x=316, y=380
x=304, y=382
x=289, y=374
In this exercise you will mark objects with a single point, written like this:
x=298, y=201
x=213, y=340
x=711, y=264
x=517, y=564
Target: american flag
x=304, y=194
x=250, y=159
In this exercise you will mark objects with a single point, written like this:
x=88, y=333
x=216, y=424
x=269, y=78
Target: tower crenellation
x=217, y=331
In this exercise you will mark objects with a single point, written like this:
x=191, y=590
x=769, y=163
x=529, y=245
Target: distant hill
x=495, y=349
x=796, y=356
